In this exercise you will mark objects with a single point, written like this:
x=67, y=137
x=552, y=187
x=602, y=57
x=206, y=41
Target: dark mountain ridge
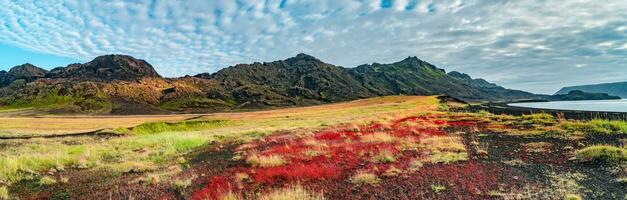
x=107, y=68
x=125, y=85
x=577, y=95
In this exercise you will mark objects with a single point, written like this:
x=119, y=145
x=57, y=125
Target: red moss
x=342, y=159
x=296, y=172
x=216, y=188
x=328, y=136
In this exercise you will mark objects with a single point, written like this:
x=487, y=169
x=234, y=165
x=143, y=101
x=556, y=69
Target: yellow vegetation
x=364, y=178
x=266, y=161
x=378, y=138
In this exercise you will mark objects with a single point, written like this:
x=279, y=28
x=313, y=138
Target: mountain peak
x=108, y=67
x=411, y=59
x=303, y=57
x=27, y=71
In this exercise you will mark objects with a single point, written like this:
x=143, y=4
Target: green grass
x=52, y=99
x=4, y=193
x=572, y=197
x=597, y=126
x=184, y=126
x=603, y=153
x=542, y=118
x=49, y=101
x=438, y=188
x=143, y=152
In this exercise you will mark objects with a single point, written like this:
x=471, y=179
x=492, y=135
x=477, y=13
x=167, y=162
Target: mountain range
x=120, y=84
x=617, y=89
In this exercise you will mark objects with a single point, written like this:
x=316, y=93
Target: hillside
x=617, y=89
x=576, y=95
x=117, y=84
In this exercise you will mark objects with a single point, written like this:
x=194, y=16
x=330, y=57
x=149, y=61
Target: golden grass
x=47, y=180
x=443, y=143
x=291, y=193
x=447, y=157
x=266, y=161
x=364, y=178
x=445, y=149
x=50, y=125
x=378, y=138
x=270, y=120
x=4, y=193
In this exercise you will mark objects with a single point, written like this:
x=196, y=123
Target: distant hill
x=616, y=89
x=576, y=95
x=118, y=84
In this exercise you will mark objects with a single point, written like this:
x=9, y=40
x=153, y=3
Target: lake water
x=596, y=105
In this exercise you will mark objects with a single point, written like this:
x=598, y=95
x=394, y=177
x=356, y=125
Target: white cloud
x=521, y=44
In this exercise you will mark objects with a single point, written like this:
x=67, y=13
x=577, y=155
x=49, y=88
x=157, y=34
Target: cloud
x=532, y=45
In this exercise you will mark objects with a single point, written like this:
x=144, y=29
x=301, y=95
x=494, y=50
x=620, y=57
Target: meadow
x=396, y=147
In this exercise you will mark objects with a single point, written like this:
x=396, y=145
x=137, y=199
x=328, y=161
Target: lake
x=596, y=105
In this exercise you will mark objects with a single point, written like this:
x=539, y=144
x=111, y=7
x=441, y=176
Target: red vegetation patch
x=216, y=188
x=327, y=159
x=296, y=172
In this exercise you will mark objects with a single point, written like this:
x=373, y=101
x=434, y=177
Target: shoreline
x=504, y=108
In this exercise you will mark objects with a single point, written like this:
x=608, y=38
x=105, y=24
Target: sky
x=537, y=46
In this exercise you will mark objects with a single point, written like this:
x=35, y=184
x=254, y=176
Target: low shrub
x=181, y=185
x=603, y=153
x=47, y=180
x=438, y=188
x=447, y=157
x=293, y=192
x=266, y=161
x=384, y=157
x=364, y=178
x=572, y=197
x=392, y=171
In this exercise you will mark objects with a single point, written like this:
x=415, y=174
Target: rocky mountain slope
x=617, y=89
x=117, y=84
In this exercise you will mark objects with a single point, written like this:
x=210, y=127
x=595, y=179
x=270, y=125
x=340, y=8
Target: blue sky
x=538, y=46
x=12, y=56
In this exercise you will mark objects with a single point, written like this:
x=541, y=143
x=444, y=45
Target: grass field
x=361, y=149
x=51, y=125
x=151, y=146
x=291, y=118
